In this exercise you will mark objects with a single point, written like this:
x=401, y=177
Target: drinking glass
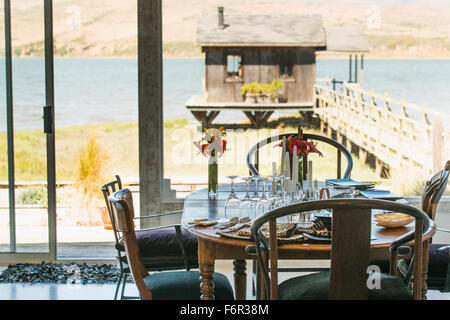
x=279, y=201
x=233, y=204
x=349, y=192
x=263, y=204
x=273, y=192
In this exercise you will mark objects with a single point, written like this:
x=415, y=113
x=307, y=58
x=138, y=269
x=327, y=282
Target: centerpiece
x=212, y=146
x=298, y=148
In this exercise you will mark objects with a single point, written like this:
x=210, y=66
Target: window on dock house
x=286, y=64
x=234, y=66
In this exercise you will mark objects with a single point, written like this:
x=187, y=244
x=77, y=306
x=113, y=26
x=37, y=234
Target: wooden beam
x=150, y=115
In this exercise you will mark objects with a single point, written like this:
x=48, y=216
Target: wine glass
x=233, y=204
x=279, y=199
x=283, y=196
x=263, y=204
x=255, y=196
x=247, y=204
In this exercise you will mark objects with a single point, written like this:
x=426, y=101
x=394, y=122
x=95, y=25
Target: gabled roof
x=287, y=30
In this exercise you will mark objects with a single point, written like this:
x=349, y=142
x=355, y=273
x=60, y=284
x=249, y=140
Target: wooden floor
x=12, y=291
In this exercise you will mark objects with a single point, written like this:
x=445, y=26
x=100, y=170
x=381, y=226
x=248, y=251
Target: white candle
x=288, y=166
x=294, y=168
x=287, y=183
x=310, y=175
x=283, y=157
x=274, y=168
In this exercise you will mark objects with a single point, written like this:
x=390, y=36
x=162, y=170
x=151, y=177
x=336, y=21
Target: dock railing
x=397, y=133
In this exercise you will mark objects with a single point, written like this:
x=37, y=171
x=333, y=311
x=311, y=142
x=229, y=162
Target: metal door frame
x=51, y=255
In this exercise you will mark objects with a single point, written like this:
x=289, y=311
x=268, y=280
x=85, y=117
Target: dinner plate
x=347, y=183
x=380, y=194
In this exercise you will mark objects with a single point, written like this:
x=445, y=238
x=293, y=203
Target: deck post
x=437, y=146
x=150, y=114
x=362, y=155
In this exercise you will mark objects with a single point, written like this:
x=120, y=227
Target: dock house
x=261, y=49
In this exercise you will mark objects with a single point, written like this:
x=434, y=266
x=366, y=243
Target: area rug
x=61, y=273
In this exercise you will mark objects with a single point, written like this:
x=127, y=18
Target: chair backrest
x=108, y=189
x=122, y=201
x=434, y=190
x=253, y=154
x=350, y=244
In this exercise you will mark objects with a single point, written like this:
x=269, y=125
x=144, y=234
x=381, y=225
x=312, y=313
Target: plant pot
x=106, y=219
x=265, y=99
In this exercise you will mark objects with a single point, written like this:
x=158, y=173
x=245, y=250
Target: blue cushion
x=316, y=287
x=438, y=260
x=185, y=285
x=160, y=242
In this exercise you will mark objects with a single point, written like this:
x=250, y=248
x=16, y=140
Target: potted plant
x=250, y=91
x=272, y=90
x=255, y=92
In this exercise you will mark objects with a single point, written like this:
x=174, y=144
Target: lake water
x=102, y=90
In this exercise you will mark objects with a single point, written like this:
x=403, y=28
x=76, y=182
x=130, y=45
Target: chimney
x=221, y=20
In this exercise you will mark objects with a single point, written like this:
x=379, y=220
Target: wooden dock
x=396, y=133
x=257, y=113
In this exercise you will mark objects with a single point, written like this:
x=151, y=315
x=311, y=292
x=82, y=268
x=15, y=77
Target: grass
x=115, y=151
x=119, y=142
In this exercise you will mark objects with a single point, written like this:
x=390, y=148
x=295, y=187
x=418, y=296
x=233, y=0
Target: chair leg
x=125, y=276
x=254, y=277
x=118, y=285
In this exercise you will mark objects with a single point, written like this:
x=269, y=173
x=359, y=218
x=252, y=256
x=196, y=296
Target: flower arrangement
x=303, y=147
x=212, y=146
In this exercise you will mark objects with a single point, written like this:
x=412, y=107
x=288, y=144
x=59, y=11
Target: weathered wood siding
x=260, y=64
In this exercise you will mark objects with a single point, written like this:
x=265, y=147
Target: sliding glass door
x=27, y=191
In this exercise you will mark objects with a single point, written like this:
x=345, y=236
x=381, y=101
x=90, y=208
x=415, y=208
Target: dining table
x=213, y=246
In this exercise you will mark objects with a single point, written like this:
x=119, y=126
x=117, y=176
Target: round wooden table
x=212, y=246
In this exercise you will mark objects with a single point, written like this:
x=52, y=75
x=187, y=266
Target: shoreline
x=318, y=57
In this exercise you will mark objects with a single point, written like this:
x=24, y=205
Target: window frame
x=286, y=54
x=239, y=77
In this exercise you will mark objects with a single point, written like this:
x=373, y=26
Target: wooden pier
x=257, y=113
x=394, y=133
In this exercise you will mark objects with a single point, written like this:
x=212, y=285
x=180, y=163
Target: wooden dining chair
x=348, y=277
x=253, y=160
x=167, y=285
x=162, y=248
x=438, y=277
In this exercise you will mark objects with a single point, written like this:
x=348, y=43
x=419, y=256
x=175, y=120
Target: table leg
x=425, y=258
x=240, y=279
x=206, y=261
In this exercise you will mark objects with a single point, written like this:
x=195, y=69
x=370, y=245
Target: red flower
x=303, y=147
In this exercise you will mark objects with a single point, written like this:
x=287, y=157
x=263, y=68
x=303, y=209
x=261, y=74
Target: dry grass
x=91, y=173
x=407, y=182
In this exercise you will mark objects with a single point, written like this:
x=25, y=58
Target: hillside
x=85, y=28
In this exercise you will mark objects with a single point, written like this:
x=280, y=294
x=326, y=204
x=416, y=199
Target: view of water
x=101, y=90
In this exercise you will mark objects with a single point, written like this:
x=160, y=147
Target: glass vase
x=300, y=171
x=213, y=177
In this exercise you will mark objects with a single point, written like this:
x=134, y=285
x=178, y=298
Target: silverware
x=232, y=222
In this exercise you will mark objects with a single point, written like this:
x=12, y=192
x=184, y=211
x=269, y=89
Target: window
x=286, y=64
x=234, y=65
